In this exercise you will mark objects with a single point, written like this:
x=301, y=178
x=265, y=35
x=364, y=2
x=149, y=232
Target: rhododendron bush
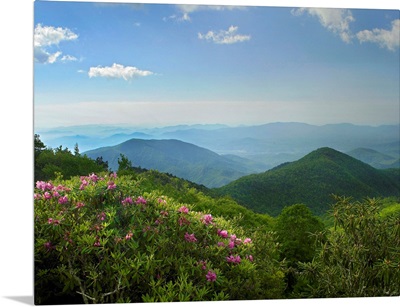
x=102, y=238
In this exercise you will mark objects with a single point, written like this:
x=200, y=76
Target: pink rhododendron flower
x=37, y=196
x=222, y=233
x=161, y=201
x=231, y=245
x=56, y=194
x=190, y=237
x=79, y=205
x=247, y=241
x=250, y=257
x=63, y=200
x=233, y=237
x=113, y=175
x=93, y=177
x=207, y=219
x=233, y=259
x=53, y=221
x=141, y=200
x=183, y=209
x=59, y=188
x=129, y=236
x=127, y=201
x=203, y=264
x=44, y=185
x=220, y=244
x=102, y=216
x=47, y=195
x=211, y=276
x=111, y=185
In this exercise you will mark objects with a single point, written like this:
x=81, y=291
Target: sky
x=164, y=64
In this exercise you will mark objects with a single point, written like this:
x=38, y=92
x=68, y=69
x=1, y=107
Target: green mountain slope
x=311, y=181
x=181, y=159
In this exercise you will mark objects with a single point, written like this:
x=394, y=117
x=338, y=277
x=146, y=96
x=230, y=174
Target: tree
x=38, y=145
x=124, y=164
x=297, y=228
x=294, y=227
x=76, y=149
x=102, y=163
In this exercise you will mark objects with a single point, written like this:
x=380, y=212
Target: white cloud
x=186, y=9
x=184, y=17
x=335, y=20
x=46, y=37
x=224, y=37
x=389, y=39
x=68, y=58
x=117, y=71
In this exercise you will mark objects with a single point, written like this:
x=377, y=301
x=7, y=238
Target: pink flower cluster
x=141, y=200
x=127, y=201
x=211, y=276
x=101, y=216
x=79, y=205
x=41, y=185
x=129, y=236
x=203, y=264
x=190, y=237
x=63, y=200
x=207, y=219
x=184, y=210
x=85, y=180
x=222, y=233
x=250, y=258
x=53, y=221
x=233, y=259
x=111, y=185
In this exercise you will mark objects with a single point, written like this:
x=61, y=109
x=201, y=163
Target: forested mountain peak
x=311, y=180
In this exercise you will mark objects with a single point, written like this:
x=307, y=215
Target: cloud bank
x=118, y=71
x=45, y=38
x=186, y=9
x=389, y=39
x=335, y=20
x=224, y=36
x=338, y=21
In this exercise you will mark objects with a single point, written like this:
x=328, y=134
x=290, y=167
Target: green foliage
x=360, y=256
x=311, y=181
x=48, y=162
x=297, y=229
x=202, y=199
x=107, y=239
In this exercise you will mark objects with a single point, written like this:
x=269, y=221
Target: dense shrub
x=360, y=256
x=104, y=239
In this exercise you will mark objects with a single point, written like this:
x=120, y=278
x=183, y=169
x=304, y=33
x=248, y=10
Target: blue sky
x=157, y=65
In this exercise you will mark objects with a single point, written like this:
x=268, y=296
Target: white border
x=16, y=152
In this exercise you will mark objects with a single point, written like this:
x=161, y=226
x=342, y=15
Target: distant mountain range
x=181, y=159
x=270, y=144
x=374, y=158
x=312, y=180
